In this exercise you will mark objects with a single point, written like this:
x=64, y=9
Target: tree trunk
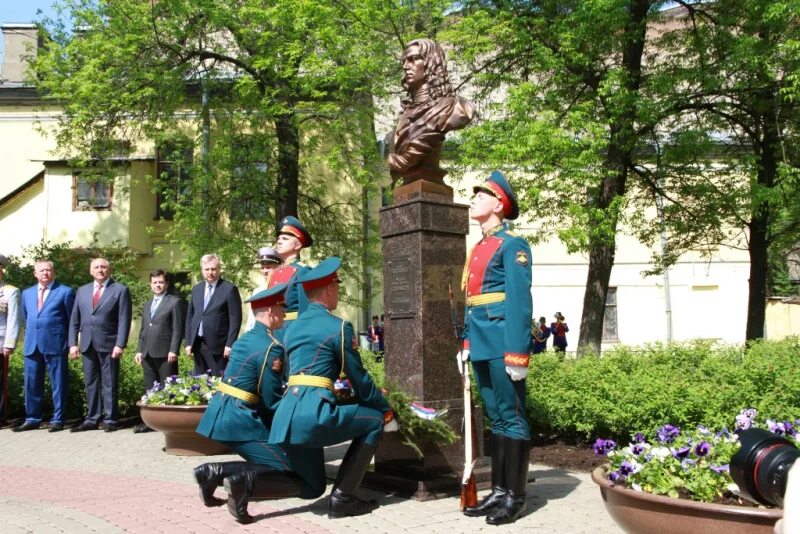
x=288, y=181
x=759, y=227
x=621, y=144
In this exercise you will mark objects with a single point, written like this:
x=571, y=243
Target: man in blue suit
x=102, y=317
x=46, y=306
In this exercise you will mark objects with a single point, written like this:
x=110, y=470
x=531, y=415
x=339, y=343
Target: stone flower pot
x=177, y=423
x=644, y=513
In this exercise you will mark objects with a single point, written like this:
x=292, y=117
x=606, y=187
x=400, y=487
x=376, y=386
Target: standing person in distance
x=213, y=318
x=269, y=261
x=540, y=334
x=163, y=323
x=10, y=319
x=559, y=329
x=497, y=339
x=101, y=322
x=47, y=306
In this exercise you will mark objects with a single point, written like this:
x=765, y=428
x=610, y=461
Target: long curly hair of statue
x=435, y=69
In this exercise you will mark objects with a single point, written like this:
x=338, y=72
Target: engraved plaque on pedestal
x=400, y=288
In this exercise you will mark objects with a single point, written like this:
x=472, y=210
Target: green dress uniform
x=321, y=348
x=254, y=371
x=320, y=345
x=497, y=333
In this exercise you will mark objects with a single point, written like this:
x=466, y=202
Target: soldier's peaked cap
x=497, y=185
x=322, y=275
x=292, y=226
x=268, y=255
x=268, y=297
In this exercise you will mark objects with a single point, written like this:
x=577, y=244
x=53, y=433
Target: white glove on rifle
x=462, y=357
x=391, y=426
x=516, y=372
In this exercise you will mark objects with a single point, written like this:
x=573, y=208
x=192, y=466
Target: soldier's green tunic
x=309, y=416
x=256, y=366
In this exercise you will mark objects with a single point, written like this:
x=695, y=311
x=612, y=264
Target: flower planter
x=177, y=423
x=643, y=513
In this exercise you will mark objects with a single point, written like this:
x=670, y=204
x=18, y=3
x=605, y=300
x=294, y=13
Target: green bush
x=628, y=390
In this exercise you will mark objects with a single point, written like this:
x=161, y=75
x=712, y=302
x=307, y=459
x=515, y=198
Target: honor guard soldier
x=269, y=261
x=323, y=348
x=240, y=414
x=292, y=238
x=497, y=339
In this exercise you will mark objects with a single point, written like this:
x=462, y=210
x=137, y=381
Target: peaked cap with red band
x=497, y=186
x=268, y=297
x=292, y=226
x=322, y=275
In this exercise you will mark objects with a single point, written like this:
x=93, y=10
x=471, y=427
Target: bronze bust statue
x=431, y=110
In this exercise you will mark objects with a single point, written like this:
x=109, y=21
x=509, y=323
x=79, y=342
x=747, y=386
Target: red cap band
x=287, y=229
x=320, y=282
x=498, y=192
x=267, y=301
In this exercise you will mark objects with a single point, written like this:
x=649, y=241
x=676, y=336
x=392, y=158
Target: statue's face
x=413, y=68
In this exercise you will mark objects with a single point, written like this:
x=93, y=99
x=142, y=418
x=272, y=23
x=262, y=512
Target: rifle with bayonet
x=469, y=488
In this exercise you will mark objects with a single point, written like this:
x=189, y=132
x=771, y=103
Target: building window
x=173, y=179
x=90, y=192
x=250, y=196
x=610, y=330
x=180, y=284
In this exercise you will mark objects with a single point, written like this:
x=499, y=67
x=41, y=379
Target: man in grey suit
x=102, y=316
x=10, y=315
x=160, y=337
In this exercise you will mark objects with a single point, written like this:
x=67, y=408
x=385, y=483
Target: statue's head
x=430, y=56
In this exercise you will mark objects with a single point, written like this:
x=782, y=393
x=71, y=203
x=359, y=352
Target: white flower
x=636, y=487
x=733, y=488
x=660, y=453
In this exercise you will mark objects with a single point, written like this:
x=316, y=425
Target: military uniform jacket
x=295, y=297
x=500, y=262
x=309, y=416
x=255, y=365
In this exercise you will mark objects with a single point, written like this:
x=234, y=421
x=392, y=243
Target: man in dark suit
x=102, y=316
x=160, y=336
x=213, y=318
x=46, y=307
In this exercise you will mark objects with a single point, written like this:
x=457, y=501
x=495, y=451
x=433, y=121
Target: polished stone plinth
x=424, y=247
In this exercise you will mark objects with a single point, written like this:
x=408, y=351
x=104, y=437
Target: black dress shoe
x=56, y=427
x=83, y=427
x=141, y=429
x=24, y=427
x=110, y=427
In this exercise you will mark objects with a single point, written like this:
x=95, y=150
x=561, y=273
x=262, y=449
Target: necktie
x=153, y=306
x=209, y=292
x=96, y=296
x=41, y=298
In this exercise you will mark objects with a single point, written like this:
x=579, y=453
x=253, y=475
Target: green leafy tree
x=273, y=98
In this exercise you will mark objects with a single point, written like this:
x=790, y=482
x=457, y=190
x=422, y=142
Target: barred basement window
x=610, y=330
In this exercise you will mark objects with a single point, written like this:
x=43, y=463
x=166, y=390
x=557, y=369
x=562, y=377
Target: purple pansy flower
x=668, y=433
x=625, y=468
x=702, y=449
x=776, y=427
x=613, y=476
x=681, y=453
x=719, y=468
x=637, y=449
x=638, y=438
x=686, y=463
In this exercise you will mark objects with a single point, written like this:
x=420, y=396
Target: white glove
x=462, y=357
x=391, y=426
x=516, y=372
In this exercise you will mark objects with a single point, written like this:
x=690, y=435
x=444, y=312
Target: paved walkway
x=124, y=482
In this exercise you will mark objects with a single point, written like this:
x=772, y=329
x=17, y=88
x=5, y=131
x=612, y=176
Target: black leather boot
x=516, y=473
x=490, y=502
x=259, y=483
x=343, y=501
x=210, y=476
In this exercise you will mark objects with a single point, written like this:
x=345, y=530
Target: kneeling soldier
x=240, y=414
x=322, y=348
